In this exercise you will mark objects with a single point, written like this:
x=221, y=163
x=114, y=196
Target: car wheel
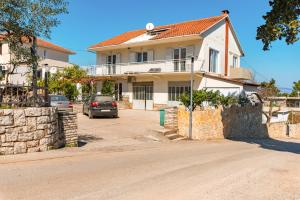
x=90, y=115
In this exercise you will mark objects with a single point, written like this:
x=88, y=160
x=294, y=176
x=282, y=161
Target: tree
x=268, y=89
x=282, y=22
x=108, y=88
x=21, y=21
x=296, y=89
x=64, y=82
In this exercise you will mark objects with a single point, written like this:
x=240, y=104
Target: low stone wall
x=294, y=131
x=171, y=118
x=28, y=130
x=67, y=126
x=234, y=122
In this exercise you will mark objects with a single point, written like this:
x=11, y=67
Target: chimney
x=225, y=12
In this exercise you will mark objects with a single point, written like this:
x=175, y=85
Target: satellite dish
x=149, y=27
x=53, y=70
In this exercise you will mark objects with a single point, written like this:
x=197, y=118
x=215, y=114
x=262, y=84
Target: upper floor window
x=141, y=57
x=213, y=61
x=179, y=57
x=234, y=61
x=45, y=54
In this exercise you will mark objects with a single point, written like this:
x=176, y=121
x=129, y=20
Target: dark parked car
x=61, y=102
x=100, y=106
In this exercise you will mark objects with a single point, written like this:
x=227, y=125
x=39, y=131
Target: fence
x=14, y=96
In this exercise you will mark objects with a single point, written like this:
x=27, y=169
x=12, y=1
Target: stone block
x=42, y=120
x=39, y=134
x=33, y=112
x=33, y=149
x=5, y=112
x=33, y=143
x=31, y=123
x=23, y=137
x=2, y=138
x=19, y=117
x=6, y=150
x=6, y=120
x=46, y=111
x=20, y=147
x=43, y=148
x=2, y=130
x=7, y=144
x=43, y=126
x=44, y=141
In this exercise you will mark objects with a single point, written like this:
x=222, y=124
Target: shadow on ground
x=84, y=139
x=273, y=144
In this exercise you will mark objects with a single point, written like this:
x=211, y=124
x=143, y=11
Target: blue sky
x=91, y=21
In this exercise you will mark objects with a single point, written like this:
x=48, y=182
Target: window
x=111, y=64
x=45, y=54
x=213, y=61
x=0, y=49
x=234, y=61
x=143, y=92
x=141, y=57
x=176, y=89
x=179, y=56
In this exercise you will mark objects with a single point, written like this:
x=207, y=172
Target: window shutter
x=169, y=54
x=132, y=57
x=150, y=55
x=189, y=51
x=118, y=58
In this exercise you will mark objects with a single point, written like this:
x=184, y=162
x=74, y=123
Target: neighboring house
x=152, y=67
x=51, y=56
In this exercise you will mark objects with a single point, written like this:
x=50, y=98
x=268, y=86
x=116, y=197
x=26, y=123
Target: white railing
x=161, y=66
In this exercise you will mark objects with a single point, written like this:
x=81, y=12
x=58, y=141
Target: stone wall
x=67, y=126
x=171, y=118
x=28, y=130
x=234, y=122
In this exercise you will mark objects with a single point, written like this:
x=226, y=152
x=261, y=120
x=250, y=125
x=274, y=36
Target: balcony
x=241, y=73
x=164, y=66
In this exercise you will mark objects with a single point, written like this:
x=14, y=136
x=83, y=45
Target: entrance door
x=143, y=96
x=118, y=91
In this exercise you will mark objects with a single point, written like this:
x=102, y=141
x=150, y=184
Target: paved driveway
x=131, y=128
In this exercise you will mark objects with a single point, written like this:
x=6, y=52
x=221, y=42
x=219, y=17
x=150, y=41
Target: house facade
x=51, y=56
x=152, y=67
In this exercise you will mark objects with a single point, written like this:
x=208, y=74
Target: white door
x=142, y=96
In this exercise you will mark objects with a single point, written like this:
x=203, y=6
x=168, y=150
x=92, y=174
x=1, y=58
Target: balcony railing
x=163, y=66
x=241, y=73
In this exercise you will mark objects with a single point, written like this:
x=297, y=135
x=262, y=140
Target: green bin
x=162, y=117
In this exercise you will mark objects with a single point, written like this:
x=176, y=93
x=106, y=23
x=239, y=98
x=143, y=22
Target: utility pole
x=191, y=100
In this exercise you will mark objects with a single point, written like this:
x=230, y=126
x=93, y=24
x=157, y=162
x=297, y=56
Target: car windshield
x=59, y=98
x=103, y=98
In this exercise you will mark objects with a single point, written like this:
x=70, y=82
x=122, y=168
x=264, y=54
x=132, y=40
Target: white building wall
x=52, y=54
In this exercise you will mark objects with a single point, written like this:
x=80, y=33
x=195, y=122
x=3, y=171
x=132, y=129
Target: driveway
x=133, y=127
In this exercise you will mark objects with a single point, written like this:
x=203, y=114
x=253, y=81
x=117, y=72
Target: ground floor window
x=176, y=89
x=143, y=92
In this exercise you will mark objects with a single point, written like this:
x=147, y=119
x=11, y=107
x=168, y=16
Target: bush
x=210, y=98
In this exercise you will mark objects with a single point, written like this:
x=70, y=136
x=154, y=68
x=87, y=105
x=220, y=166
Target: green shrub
x=211, y=98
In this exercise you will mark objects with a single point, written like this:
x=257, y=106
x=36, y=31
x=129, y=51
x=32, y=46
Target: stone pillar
x=171, y=118
x=67, y=123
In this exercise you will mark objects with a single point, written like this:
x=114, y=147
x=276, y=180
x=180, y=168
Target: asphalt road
x=186, y=170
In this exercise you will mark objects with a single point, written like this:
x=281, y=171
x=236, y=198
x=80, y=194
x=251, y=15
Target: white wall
x=52, y=54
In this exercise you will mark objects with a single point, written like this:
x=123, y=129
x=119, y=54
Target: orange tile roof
x=46, y=44
x=124, y=37
x=173, y=30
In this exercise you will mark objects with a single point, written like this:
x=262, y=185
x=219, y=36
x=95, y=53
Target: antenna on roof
x=149, y=27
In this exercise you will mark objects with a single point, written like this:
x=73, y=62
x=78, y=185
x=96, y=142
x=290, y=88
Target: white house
x=52, y=56
x=151, y=66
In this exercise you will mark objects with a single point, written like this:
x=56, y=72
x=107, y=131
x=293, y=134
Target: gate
x=143, y=96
